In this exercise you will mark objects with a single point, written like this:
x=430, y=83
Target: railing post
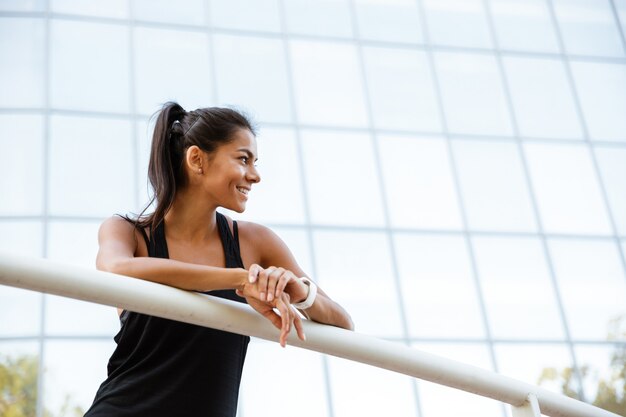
x=530, y=408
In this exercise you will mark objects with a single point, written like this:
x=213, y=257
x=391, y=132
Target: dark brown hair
x=175, y=131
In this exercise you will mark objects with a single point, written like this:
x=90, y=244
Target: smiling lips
x=243, y=190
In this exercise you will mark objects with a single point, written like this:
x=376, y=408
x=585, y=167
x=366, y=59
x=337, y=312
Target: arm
x=118, y=245
x=119, y=252
x=273, y=251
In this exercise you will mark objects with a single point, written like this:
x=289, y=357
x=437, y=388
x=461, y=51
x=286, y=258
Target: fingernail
x=270, y=296
x=262, y=296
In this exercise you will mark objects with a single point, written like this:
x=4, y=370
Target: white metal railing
x=190, y=307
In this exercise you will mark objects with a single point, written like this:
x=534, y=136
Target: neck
x=189, y=219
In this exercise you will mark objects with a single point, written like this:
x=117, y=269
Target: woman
x=199, y=161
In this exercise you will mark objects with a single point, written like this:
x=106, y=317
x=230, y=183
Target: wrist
x=240, y=277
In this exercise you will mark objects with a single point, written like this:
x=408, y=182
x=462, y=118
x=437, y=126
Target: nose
x=253, y=175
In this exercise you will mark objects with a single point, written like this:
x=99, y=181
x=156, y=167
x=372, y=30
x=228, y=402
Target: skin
x=270, y=280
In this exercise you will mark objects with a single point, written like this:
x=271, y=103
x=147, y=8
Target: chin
x=237, y=208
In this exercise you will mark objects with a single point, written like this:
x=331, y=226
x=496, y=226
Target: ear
x=195, y=159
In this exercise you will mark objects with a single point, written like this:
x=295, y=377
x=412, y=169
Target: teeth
x=242, y=190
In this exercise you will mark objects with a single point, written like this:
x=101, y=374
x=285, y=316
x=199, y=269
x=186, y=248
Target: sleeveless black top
x=167, y=368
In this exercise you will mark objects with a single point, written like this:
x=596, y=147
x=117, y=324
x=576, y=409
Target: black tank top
x=167, y=368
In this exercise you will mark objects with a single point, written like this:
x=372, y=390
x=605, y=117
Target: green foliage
x=611, y=392
x=18, y=386
x=18, y=389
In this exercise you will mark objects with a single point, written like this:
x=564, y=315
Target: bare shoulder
x=116, y=225
x=257, y=233
x=116, y=230
x=268, y=247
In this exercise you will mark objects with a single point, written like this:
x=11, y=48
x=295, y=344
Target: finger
x=297, y=323
x=285, y=279
x=253, y=273
x=262, y=282
x=272, y=281
x=238, y=292
x=274, y=318
x=283, y=309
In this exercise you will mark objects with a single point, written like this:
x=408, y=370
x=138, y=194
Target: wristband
x=310, y=298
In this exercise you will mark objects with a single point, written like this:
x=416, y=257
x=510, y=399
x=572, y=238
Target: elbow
x=349, y=325
x=344, y=321
x=115, y=266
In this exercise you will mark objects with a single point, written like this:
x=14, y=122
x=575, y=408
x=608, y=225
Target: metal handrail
x=200, y=309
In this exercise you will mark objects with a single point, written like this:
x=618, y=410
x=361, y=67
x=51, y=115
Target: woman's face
x=230, y=172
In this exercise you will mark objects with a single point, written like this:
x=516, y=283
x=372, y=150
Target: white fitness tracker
x=310, y=298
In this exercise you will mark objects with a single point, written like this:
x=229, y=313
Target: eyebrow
x=248, y=152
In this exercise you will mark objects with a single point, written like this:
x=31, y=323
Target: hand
x=283, y=321
x=271, y=283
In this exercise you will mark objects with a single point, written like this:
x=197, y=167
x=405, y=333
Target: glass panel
x=620, y=6
x=19, y=366
x=73, y=243
x=76, y=244
x=278, y=198
x=495, y=192
x=297, y=240
x=519, y=295
x=91, y=166
x=171, y=65
x=143, y=129
x=543, y=100
x=361, y=390
x=588, y=27
x=439, y=292
x=336, y=195
x=320, y=18
x=25, y=238
x=601, y=90
x=458, y=23
x=22, y=6
x=356, y=284
x=529, y=362
x=73, y=372
x=419, y=183
x=99, y=53
x=68, y=317
x=22, y=57
x=438, y=400
x=20, y=311
x=472, y=94
x=21, y=165
x=612, y=164
x=186, y=12
x=524, y=25
x=401, y=89
x=566, y=189
x=112, y=8
x=259, y=87
x=602, y=369
x=328, y=84
x=592, y=284
x=269, y=359
x=261, y=15
x=393, y=21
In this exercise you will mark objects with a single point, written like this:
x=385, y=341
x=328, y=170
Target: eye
x=244, y=159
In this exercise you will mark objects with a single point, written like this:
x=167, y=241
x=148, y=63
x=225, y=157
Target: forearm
x=326, y=311
x=178, y=274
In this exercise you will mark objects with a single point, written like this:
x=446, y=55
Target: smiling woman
x=199, y=161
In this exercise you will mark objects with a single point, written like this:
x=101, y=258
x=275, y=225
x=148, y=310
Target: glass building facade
x=453, y=172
